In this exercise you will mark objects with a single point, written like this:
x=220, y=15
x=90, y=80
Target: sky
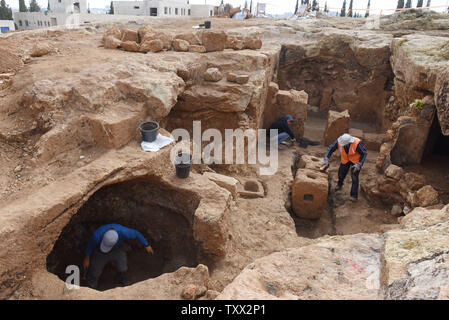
x=273, y=6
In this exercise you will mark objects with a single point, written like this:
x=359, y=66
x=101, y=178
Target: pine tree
x=111, y=9
x=251, y=6
x=34, y=7
x=343, y=9
x=408, y=4
x=314, y=5
x=400, y=4
x=88, y=8
x=350, y=9
x=5, y=11
x=48, y=5
x=367, y=9
x=419, y=4
x=317, y=6
x=325, y=7
x=22, y=6
x=428, y=3
x=297, y=6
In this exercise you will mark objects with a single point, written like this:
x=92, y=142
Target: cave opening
x=164, y=216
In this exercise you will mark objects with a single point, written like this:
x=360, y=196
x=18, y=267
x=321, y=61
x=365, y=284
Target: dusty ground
x=256, y=227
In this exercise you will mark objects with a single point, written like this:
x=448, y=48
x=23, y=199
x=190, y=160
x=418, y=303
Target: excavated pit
x=163, y=216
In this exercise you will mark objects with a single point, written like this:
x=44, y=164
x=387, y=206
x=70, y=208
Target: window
x=176, y=11
x=211, y=13
x=20, y=23
x=188, y=12
x=136, y=7
x=26, y=23
x=165, y=10
x=169, y=10
x=59, y=1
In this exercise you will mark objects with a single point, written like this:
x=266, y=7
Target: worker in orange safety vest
x=353, y=155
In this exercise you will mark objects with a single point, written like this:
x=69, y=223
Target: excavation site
x=134, y=165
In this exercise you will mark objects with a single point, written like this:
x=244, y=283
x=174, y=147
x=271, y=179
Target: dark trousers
x=343, y=172
x=99, y=261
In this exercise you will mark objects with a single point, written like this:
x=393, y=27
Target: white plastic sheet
x=160, y=142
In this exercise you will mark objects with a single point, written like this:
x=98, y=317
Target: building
x=162, y=8
x=62, y=12
x=6, y=25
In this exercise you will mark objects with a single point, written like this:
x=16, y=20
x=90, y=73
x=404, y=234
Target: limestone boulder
x=111, y=42
x=416, y=262
x=235, y=43
x=41, y=49
x=131, y=46
x=190, y=37
x=228, y=183
x=337, y=124
x=197, y=49
x=213, y=75
x=180, y=45
x=442, y=100
x=112, y=32
x=294, y=103
x=309, y=193
x=237, y=78
x=155, y=45
x=427, y=196
x=424, y=217
x=213, y=40
x=129, y=35
x=350, y=263
x=394, y=172
x=148, y=34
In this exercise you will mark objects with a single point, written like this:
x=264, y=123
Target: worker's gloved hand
x=357, y=167
x=149, y=249
x=294, y=140
x=325, y=160
x=86, y=262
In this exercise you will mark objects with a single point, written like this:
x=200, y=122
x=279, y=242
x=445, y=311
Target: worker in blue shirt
x=284, y=131
x=104, y=246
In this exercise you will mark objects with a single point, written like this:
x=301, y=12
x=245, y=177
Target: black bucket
x=149, y=131
x=207, y=24
x=183, y=162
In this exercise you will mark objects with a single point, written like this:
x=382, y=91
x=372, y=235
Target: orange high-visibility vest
x=353, y=155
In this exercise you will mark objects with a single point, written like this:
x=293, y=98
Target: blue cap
x=289, y=117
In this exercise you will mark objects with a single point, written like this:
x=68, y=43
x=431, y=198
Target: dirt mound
x=10, y=61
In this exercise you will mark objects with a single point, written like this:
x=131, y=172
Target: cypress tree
x=419, y=4
x=5, y=11
x=367, y=9
x=400, y=4
x=22, y=6
x=408, y=4
x=34, y=7
x=111, y=9
x=343, y=9
x=350, y=9
x=428, y=3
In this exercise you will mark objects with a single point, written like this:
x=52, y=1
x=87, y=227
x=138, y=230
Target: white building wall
x=7, y=24
x=165, y=8
x=67, y=6
x=201, y=10
x=31, y=20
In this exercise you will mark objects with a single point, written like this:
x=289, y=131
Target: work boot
x=353, y=199
x=122, y=280
x=338, y=188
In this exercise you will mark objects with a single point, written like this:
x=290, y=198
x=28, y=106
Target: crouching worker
x=284, y=131
x=104, y=246
x=353, y=155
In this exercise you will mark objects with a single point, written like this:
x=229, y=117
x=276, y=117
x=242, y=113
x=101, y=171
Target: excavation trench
x=162, y=215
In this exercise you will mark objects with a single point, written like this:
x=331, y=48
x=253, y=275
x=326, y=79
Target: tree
x=251, y=6
x=22, y=6
x=88, y=8
x=419, y=4
x=428, y=3
x=297, y=6
x=314, y=4
x=48, y=5
x=5, y=11
x=343, y=9
x=350, y=9
x=111, y=9
x=400, y=4
x=325, y=7
x=408, y=4
x=367, y=9
x=34, y=7
x=317, y=6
